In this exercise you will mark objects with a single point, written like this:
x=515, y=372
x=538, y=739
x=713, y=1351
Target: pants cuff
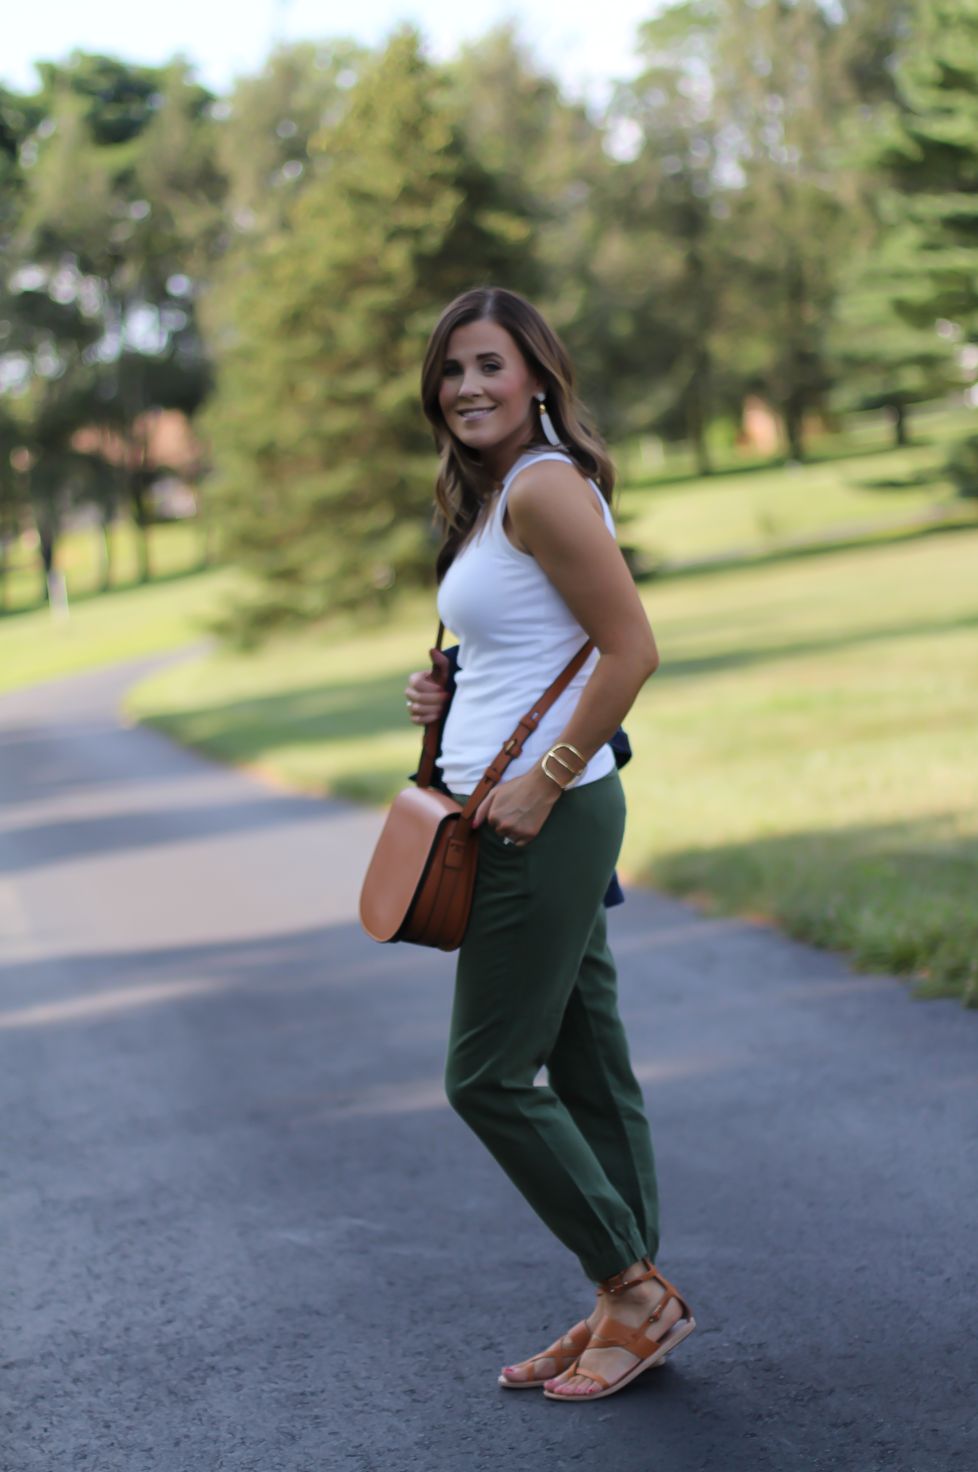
x=608, y=1264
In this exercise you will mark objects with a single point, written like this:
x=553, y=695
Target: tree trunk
x=901, y=437
x=697, y=414
x=45, y=532
x=139, y=482
x=6, y=533
x=696, y=430
x=696, y=410
x=106, y=555
x=794, y=411
x=141, y=521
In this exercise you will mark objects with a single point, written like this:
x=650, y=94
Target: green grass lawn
x=113, y=627
x=174, y=547
x=323, y=711
x=807, y=751
x=866, y=484
x=101, y=628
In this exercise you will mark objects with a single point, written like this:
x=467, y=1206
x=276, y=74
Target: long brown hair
x=464, y=487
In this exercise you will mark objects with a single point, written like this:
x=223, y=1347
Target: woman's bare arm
x=553, y=515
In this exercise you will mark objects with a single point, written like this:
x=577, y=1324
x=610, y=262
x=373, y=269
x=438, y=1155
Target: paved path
x=242, y=1230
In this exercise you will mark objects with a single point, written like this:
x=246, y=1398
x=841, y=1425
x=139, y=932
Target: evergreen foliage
x=267, y=124
x=325, y=463
x=881, y=358
x=910, y=313
x=784, y=203
x=931, y=157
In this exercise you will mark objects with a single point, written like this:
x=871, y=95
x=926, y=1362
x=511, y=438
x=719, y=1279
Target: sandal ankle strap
x=617, y=1283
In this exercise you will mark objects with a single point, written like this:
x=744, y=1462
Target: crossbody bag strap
x=512, y=748
x=432, y=733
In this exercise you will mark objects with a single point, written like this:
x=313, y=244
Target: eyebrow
x=479, y=356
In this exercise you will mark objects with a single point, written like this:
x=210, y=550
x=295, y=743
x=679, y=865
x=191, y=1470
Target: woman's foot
x=633, y=1309
x=550, y=1362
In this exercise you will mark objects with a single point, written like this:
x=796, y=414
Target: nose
x=470, y=385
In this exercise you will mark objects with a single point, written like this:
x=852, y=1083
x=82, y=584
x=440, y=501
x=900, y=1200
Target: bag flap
x=400, y=858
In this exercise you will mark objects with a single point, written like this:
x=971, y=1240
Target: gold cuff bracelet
x=552, y=753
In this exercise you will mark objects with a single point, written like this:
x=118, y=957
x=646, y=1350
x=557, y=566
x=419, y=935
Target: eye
x=451, y=369
x=491, y=366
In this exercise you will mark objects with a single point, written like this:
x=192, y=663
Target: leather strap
x=512, y=748
x=618, y=1284
x=509, y=751
x=579, y=1337
x=612, y=1334
x=432, y=733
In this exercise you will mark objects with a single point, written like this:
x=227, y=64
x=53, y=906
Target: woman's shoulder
x=545, y=482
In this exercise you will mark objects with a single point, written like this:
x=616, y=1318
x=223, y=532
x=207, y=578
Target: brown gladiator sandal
x=579, y=1336
x=612, y=1334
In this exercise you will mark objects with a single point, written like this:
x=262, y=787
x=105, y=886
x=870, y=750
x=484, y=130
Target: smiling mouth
x=469, y=415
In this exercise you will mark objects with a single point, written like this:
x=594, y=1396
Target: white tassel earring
x=546, y=421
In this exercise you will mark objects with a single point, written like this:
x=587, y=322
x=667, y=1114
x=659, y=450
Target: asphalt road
x=242, y=1230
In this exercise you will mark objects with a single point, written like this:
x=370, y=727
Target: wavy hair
x=464, y=488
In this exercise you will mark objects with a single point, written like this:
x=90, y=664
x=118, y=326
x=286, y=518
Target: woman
x=529, y=570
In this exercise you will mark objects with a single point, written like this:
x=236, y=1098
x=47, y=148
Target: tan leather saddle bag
x=419, y=884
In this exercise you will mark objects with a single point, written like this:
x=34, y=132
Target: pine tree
x=883, y=358
x=928, y=153
x=267, y=122
x=917, y=268
x=931, y=158
x=324, y=463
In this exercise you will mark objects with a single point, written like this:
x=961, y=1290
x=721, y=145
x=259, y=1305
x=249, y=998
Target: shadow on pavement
x=76, y=838
x=252, y=1272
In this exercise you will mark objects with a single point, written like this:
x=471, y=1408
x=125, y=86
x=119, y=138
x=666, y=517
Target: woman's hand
x=518, y=809
x=425, y=691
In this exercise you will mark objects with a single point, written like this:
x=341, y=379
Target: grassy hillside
x=174, y=548
x=806, y=751
x=115, y=626
x=856, y=484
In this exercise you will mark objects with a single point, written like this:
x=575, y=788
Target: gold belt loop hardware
x=552, y=755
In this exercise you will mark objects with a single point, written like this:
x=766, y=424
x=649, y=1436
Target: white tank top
x=515, y=635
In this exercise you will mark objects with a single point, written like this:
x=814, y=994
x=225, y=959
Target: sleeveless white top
x=515, y=635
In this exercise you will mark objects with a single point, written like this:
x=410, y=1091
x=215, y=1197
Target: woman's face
x=487, y=390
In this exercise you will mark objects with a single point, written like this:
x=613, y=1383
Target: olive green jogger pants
x=536, y=985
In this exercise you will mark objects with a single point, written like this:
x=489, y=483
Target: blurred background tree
x=121, y=215
x=779, y=206
x=267, y=124
x=927, y=160
x=324, y=459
